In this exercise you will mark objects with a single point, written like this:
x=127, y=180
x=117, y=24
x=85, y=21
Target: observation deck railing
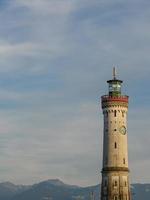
x=115, y=98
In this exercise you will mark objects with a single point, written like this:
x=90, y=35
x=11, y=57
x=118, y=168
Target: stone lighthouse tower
x=115, y=172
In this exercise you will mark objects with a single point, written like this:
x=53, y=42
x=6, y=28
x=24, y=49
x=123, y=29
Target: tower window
x=115, y=183
x=115, y=113
x=125, y=183
x=115, y=198
x=106, y=161
x=105, y=183
x=115, y=145
x=122, y=114
x=124, y=161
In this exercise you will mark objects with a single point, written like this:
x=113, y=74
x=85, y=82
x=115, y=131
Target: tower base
x=115, y=184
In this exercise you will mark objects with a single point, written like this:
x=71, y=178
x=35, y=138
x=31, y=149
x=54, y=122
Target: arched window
x=115, y=183
x=115, y=145
x=122, y=114
x=115, y=113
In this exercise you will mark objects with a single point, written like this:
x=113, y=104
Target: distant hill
x=57, y=190
x=8, y=190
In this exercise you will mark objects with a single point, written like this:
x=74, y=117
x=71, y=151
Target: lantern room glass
x=115, y=88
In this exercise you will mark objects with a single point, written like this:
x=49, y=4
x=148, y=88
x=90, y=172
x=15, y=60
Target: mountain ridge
x=55, y=189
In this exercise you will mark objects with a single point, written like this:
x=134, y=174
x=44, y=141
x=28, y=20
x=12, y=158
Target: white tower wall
x=115, y=172
x=115, y=156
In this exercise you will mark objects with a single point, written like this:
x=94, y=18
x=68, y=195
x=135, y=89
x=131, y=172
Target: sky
x=55, y=59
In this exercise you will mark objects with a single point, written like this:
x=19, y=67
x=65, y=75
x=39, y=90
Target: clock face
x=123, y=130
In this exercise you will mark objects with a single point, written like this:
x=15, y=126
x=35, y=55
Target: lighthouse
x=115, y=172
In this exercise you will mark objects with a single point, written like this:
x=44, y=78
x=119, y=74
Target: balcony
x=108, y=98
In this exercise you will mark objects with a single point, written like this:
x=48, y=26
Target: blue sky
x=55, y=59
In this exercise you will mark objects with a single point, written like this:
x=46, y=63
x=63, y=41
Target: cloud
x=50, y=146
x=58, y=7
x=55, y=58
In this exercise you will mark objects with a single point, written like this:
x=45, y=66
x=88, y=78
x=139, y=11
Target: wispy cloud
x=59, y=7
x=55, y=58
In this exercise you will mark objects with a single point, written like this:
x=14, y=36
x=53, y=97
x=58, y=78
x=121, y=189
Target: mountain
x=141, y=191
x=8, y=190
x=57, y=190
x=53, y=190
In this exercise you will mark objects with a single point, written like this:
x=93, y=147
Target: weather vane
x=114, y=72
